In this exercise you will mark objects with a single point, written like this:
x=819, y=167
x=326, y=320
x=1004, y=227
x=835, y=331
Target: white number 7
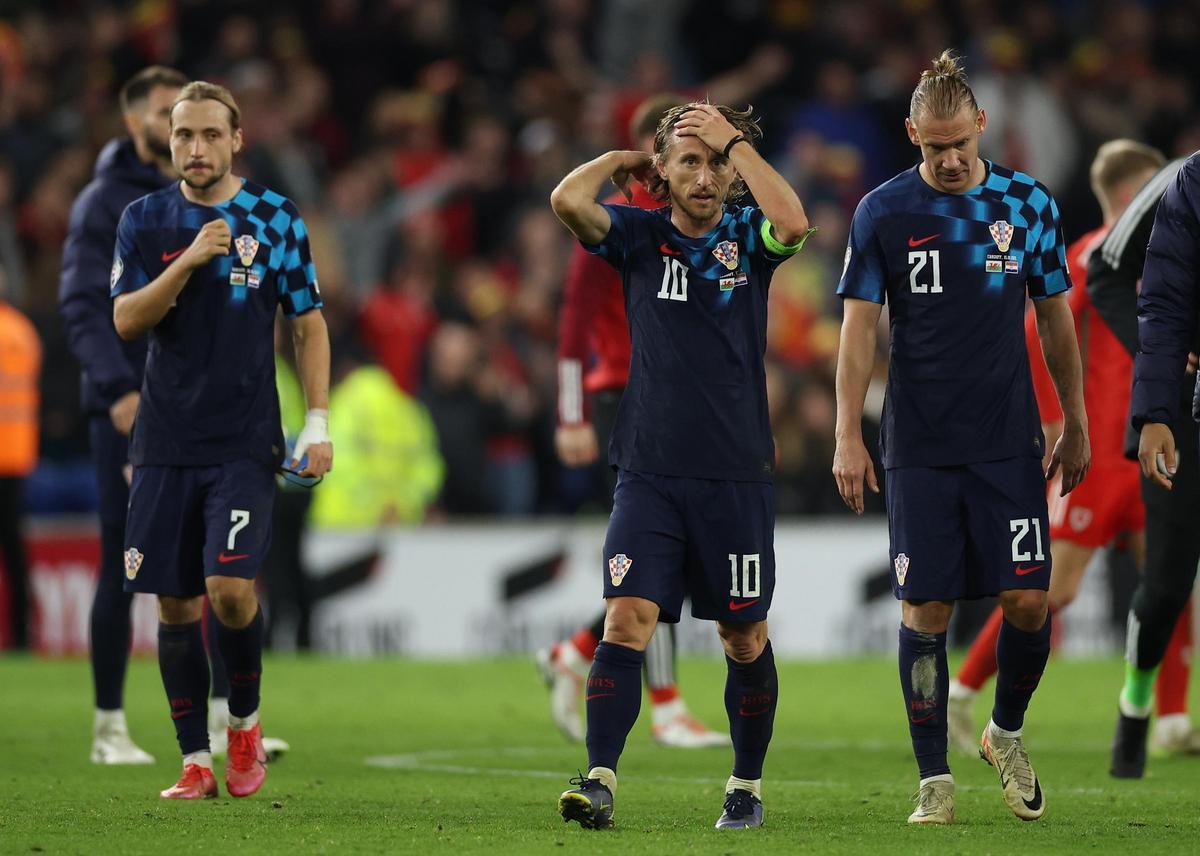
x=240, y=518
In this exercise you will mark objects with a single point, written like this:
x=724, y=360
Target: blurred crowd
x=421, y=138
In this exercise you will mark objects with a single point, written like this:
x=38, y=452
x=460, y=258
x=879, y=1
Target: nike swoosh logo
x=734, y=606
x=743, y=712
x=179, y=714
x=663, y=248
x=913, y=242
x=1036, y=802
x=1022, y=571
x=598, y=695
x=166, y=257
x=917, y=720
x=224, y=558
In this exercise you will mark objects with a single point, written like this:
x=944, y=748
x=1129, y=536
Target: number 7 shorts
x=188, y=523
x=968, y=531
x=713, y=541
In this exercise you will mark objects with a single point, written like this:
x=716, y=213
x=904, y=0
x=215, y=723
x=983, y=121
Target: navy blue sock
x=613, y=699
x=184, y=671
x=111, y=625
x=925, y=679
x=1020, y=660
x=220, y=677
x=751, y=694
x=242, y=652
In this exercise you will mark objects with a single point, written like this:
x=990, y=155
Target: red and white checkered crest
x=1002, y=234
x=618, y=567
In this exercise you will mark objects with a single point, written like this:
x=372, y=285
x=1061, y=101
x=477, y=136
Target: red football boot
x=196, y=783
x=246, y=767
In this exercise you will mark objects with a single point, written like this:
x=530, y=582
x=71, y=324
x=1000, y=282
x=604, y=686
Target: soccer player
x=127, y=168
x=693, y=512
x=202, y=266
x=953, y=246
x=1108, y=502
x=1166, y=335
x=593, y=321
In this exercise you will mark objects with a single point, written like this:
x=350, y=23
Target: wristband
x=740, y=138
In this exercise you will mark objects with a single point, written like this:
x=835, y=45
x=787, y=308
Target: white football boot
x=935, y=800
x=565, y=670
x=1022, y=790
x=111, y=743
x=674, y=726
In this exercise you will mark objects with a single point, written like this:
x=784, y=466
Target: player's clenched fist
x=212, y=240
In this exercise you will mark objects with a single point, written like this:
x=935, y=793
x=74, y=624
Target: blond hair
x=202, y=90
x=1118, y=161
x=943, y=90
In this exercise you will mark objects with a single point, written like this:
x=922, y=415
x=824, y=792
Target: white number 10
x=751, y=576
x=918, y=259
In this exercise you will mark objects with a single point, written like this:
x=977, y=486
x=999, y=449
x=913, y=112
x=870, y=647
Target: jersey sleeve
x=614, y=249
x=586, y=277
x=763, y=243
x=128, y=270
x=298, y=289
x=1048, y=272
x=863, y=272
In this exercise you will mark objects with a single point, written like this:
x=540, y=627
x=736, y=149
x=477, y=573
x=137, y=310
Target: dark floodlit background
x=420, y=140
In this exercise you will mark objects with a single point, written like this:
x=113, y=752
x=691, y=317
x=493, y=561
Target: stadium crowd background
x=421, y=138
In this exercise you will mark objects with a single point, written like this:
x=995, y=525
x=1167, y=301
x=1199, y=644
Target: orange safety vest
x=20, y=365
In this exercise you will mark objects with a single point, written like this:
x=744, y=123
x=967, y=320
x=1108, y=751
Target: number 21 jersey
x=954, y=270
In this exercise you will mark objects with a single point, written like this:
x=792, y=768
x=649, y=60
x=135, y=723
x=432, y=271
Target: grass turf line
x=476, y=767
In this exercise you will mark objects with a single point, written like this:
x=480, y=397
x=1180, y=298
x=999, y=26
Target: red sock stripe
x=1171, y=686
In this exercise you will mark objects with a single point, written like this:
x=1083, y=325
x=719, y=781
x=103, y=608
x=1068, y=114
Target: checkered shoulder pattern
x=277, y=222
x=1034, y=209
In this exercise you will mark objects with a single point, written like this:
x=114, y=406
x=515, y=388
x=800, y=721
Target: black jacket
x=111, y=366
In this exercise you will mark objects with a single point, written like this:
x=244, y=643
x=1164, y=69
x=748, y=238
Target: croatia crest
x=246, y=247
x=1002, y=234
x=901, y=564
x=618, y=567
x=727, y=254
x=133, y=562
x=114, y=275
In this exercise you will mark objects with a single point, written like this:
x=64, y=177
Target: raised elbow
x=791, y=230
x=123, y=324
x=561, y=202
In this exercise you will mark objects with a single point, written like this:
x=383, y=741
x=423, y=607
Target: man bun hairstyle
x=943, y=90
x=743, y=122
x=202, y=90
x=138, y=87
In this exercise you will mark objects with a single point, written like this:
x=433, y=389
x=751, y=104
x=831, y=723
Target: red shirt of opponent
x=592, y=322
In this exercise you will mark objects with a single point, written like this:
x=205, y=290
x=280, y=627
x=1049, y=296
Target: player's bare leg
x=240, y=639
x=751, y=695
x=613, y=699
x=184, y=668
x=925, y=679
x=1021, y=653
x=1069, y=562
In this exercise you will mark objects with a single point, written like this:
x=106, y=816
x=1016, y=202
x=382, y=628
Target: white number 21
x=918, y=259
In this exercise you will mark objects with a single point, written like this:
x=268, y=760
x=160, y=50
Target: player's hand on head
x=213, y=239
x=706, y=122
x=852, y=467
x=576, y=444
x=636, y=166
x=1156, y=454
x=1073, y=456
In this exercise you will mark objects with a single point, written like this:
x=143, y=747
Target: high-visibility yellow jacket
x=386, y=465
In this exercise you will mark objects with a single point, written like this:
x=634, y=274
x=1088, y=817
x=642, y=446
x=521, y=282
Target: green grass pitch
x=477, y=768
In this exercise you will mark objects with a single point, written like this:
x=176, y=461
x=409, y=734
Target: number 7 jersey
x=954, y=270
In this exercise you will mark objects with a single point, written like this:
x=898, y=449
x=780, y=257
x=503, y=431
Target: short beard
x=159, y=149
x=202, y=185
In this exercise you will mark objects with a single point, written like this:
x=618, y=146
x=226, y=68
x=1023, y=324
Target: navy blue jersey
x=209, y=394
x=696, y=402
x=954, y=270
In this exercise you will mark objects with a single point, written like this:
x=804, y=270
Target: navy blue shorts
x=968, y=531
x=189, y=523
x=713, y=541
